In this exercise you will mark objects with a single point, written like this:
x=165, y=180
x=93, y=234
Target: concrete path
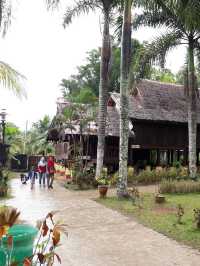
x=99, y=236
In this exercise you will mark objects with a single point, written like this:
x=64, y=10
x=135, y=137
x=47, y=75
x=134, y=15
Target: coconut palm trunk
x=192, y=111
x=124, y=82
x=103, y=91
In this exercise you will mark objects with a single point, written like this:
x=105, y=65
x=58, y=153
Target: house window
x=163, y=157
x=153, y=157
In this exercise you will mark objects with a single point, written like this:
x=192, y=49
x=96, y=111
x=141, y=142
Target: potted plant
x=159, y=198
x=17, y=240
x=103, y=183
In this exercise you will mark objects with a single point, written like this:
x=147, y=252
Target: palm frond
x=12, y=79
x=51, y=4
x=5, y=15
x=83, y=6
x=170, y=9
x=156, y=51
x=153, y=19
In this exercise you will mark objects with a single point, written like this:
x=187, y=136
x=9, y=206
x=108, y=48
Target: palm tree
x=181, y=18
x=124, y=89
x=106, y=6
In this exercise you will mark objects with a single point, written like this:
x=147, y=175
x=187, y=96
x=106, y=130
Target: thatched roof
x=157, y=101
x=151, y=101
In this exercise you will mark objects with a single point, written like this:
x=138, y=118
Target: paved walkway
x=99, y=236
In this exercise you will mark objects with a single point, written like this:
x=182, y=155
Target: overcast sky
x=38, y=47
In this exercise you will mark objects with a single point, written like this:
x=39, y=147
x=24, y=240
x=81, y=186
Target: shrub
x=114, y=178
x=156, y=175
x=148, y=176
x=171, y=186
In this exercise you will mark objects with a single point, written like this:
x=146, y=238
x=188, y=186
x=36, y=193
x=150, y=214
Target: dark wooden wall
x=159, y=135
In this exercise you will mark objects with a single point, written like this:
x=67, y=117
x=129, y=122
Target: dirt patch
x=164, y=210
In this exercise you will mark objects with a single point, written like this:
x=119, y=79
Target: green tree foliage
x=36, y=138
x=89, y=74
x=32, y=142
x=164, y=75
x=15, y=138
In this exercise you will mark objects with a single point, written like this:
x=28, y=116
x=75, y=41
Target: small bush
x=197, y=217
x=172, y=187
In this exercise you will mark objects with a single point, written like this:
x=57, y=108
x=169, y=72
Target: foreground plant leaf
x=3, y=230
x=58, y=258
x=41, y=257
x=27, y=262
x=45, y=229
x=10, y=241
x=14, y=263
x=56, y=237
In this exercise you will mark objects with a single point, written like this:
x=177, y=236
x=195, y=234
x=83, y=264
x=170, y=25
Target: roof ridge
x=161, y=82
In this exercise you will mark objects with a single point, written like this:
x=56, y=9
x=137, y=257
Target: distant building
x=158, y=130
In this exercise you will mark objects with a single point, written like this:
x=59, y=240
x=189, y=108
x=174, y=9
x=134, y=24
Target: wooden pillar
x=168, y=157
x=158, y=157
x=185, y=156
x=172, y=156
x=178, y=155
x=197, y=156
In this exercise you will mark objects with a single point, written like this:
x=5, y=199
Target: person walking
x=31, y=176
x=42, y=169
x=50, y=171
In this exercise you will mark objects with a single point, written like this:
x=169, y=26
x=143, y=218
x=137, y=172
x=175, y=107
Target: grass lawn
x=163, y=217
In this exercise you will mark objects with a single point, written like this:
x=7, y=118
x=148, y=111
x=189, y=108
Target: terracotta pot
x=159, y=199
x=103, y=190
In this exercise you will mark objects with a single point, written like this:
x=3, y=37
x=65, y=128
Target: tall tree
x=124, y=103
x=183, y=23
x=106, y=6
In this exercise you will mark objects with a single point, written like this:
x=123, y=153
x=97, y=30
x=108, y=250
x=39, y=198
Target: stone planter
x=159, y=198
x=103, y=190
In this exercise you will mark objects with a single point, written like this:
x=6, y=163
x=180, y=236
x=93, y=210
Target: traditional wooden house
x=158, y=131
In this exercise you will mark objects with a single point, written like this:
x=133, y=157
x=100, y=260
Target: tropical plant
x=197, y=217
x=15, y=138
x=103, y=179
x=124, y=104
x=181, y=18
x=180, y=213
x=49, y=239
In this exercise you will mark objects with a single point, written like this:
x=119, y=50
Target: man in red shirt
x=50, y=171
